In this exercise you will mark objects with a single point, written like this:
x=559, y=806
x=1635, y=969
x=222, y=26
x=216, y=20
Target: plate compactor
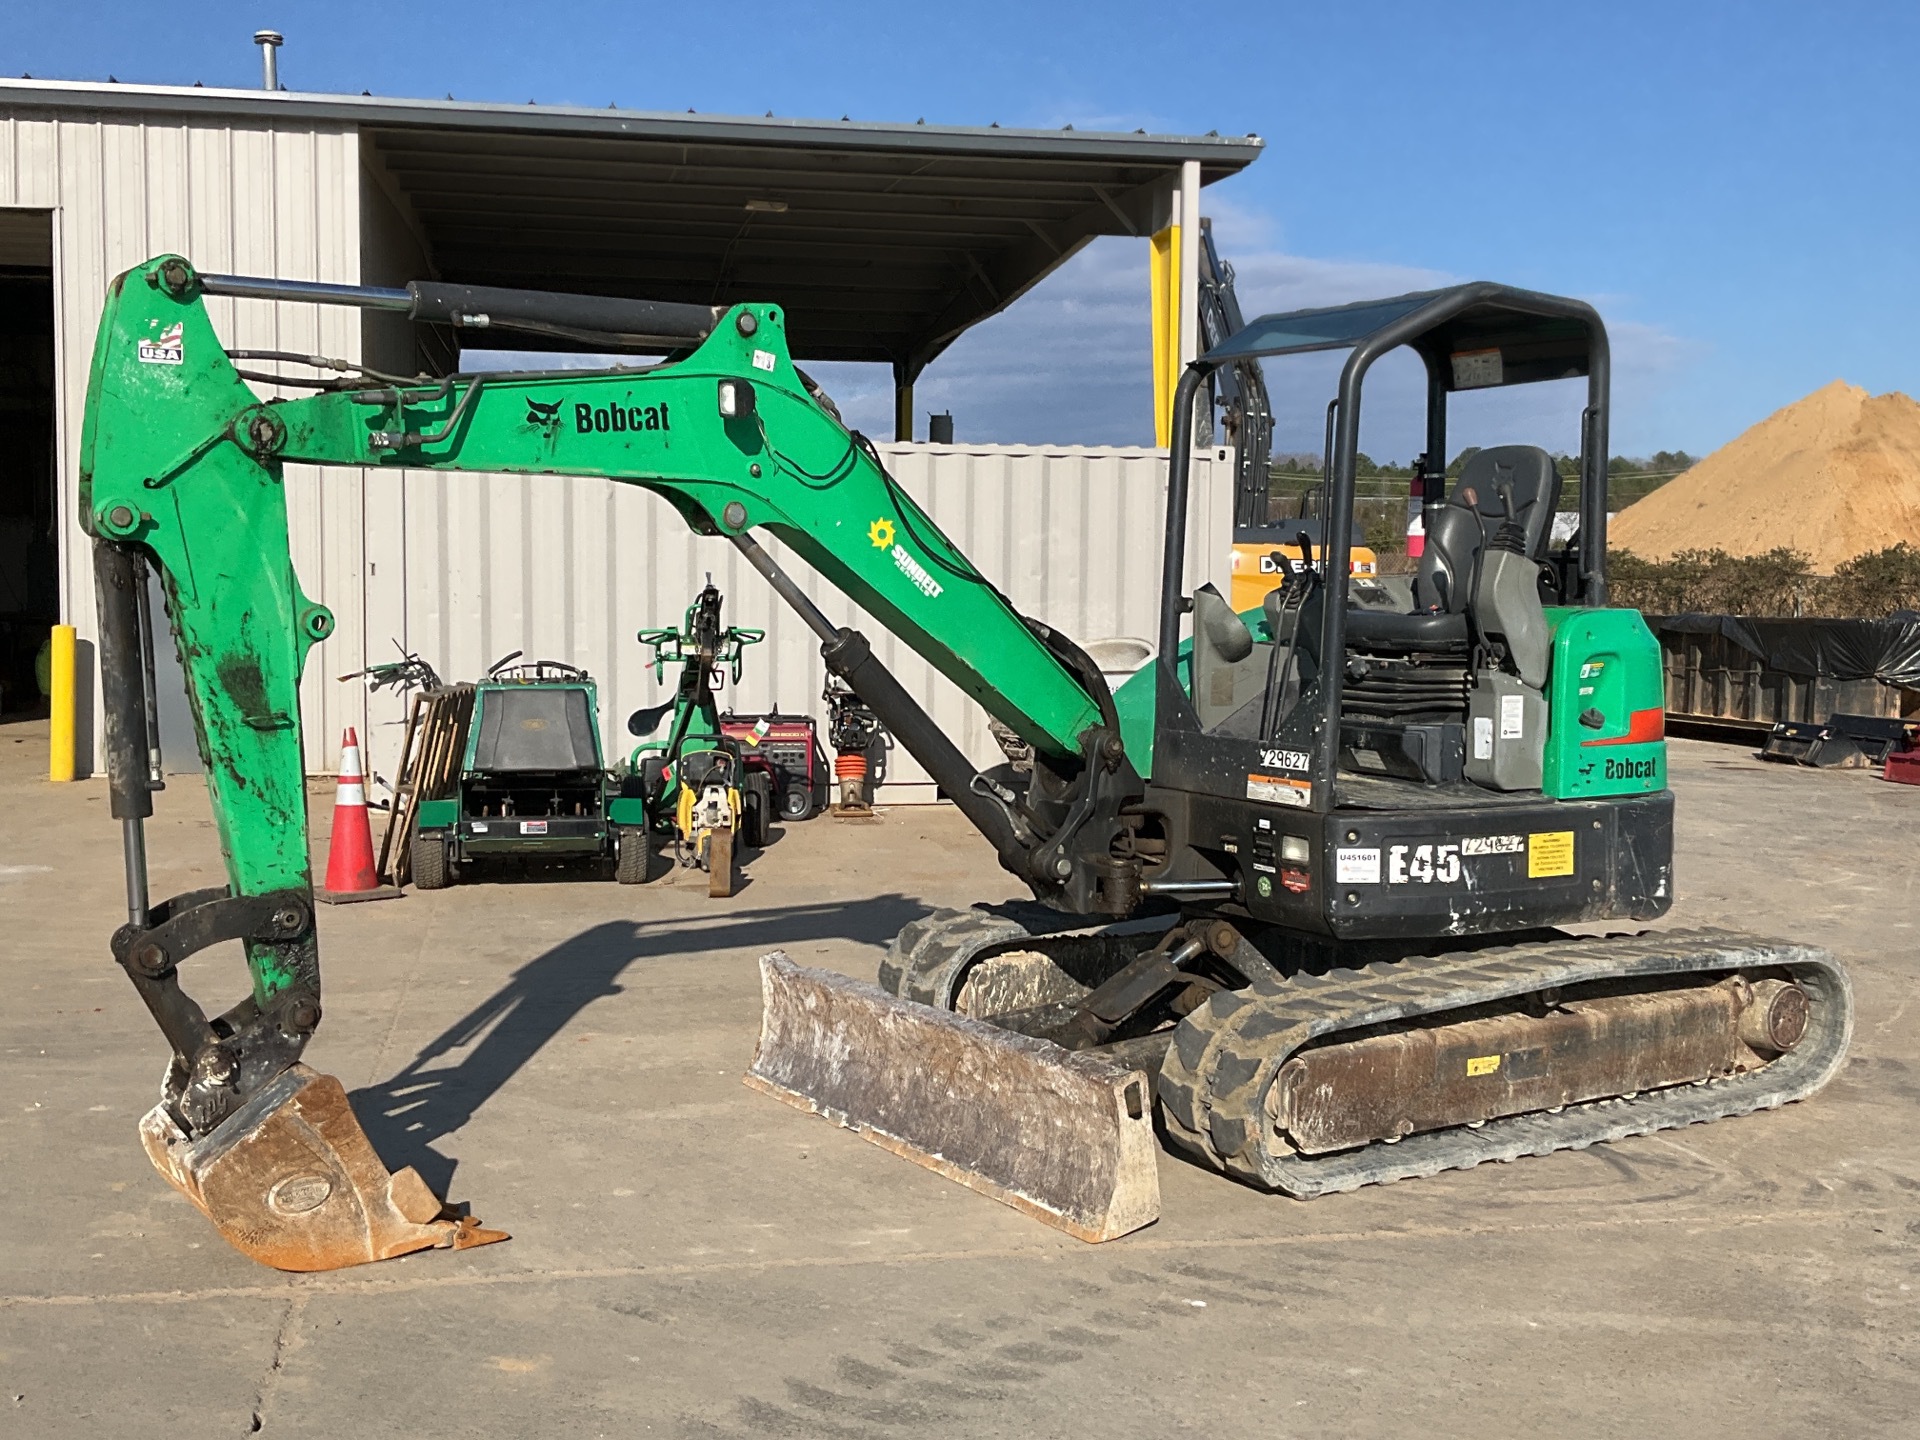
x=700, y=787
x=1294, y=887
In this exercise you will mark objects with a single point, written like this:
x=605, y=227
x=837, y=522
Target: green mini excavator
x=1294, y=888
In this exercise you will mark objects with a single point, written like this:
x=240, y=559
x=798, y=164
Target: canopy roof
x=1536, y=336
x=883, y=242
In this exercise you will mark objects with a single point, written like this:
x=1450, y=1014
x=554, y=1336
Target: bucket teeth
x=291, y=1180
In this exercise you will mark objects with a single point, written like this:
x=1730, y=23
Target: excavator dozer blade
x=291, y=1180
x=1064, y=1136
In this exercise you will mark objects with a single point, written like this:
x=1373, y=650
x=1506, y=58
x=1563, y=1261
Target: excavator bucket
x=1063, y=1136
x=291, y=1180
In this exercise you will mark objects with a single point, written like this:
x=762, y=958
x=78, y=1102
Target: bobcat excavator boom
x=1284, y=796
x=181, y=470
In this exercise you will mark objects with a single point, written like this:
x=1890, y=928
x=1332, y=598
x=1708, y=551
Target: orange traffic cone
x=350, y=869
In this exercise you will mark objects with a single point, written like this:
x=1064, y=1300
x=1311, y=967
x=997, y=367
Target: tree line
x=1381, y=488
x=1658, y=467
x=1781, y=582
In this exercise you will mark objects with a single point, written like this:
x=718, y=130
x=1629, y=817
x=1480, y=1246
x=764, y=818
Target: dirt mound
x=1834, y=475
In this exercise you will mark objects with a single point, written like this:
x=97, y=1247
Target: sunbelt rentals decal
x=881, y=533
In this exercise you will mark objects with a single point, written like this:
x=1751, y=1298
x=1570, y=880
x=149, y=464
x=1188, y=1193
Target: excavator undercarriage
x=1308, y=1077
x=1300, y=888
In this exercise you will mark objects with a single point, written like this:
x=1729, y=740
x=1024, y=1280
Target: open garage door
x=29, y=505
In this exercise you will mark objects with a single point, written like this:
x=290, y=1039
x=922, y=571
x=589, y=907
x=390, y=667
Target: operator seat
x=1457, y=532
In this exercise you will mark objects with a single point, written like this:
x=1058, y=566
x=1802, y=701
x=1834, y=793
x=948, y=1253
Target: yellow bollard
x=60, y=756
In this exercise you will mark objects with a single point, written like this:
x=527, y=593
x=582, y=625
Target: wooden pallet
x=430, y=756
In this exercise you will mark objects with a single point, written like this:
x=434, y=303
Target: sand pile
x=1834, y=475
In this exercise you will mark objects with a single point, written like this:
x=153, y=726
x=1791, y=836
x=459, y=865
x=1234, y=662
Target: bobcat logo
x=545, y=417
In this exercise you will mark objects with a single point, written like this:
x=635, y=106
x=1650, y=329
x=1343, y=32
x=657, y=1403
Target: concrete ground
x=692, y=1259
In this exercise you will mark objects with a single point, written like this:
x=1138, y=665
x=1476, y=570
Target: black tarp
x=1883, y=650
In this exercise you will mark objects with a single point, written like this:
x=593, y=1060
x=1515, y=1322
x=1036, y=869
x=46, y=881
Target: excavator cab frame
x=1346, y=649
x=1469, y=337
x=1474, y=336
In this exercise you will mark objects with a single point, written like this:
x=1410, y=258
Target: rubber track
x=1224, y=1056
x=928, y=958
x=925, y=959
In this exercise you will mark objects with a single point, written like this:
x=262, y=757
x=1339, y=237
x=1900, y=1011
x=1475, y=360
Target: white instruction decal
x=1357, y=866
x=763, y=360
x=1279, y=790
x=1483, y=737
x=1513, y=717
x=1476, y=369
x=533, y=827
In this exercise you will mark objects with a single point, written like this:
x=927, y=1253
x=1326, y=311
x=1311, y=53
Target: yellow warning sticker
x=1483, y=1064
x=1549, y=853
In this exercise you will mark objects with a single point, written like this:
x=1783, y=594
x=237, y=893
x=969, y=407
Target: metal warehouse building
x=884, y=243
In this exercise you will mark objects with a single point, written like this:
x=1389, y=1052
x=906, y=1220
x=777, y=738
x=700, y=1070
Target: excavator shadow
x=470, y=1061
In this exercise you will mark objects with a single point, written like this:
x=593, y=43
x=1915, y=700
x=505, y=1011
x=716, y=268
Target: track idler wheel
x=291, y=1180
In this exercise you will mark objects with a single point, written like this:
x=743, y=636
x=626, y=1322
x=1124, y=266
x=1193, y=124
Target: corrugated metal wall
x=239, y=198
x=466, y=568
x=470, y=567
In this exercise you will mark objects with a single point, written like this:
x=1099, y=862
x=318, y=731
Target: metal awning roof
x=883, y=242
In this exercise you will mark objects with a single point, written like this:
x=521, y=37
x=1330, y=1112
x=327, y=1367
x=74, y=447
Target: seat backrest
x=1444, y=580
x=1528, y=474
x=1459, y=530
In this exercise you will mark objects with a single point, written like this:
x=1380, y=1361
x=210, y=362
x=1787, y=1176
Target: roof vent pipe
x=269, y=41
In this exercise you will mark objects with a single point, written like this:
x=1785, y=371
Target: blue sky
x=1733, y=184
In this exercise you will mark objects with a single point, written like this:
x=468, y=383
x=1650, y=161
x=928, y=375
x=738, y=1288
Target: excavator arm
x=182, y=469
